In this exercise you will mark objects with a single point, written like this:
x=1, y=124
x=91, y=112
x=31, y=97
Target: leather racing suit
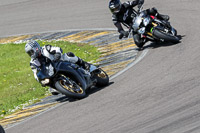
x=51, y=53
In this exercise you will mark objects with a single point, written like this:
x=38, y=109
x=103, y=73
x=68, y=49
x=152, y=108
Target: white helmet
x=32, y=48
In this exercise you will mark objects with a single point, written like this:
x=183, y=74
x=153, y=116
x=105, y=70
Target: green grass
x=17, y=83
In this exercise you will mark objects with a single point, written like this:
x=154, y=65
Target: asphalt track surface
x=160, y=94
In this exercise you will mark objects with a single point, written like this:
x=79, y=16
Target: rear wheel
x=70, y=88
x=167, y=37
x=102, y=78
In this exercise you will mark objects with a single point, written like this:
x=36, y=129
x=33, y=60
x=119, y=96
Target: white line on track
x=144, y=52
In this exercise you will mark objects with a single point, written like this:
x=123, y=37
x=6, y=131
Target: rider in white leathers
x=48, y=53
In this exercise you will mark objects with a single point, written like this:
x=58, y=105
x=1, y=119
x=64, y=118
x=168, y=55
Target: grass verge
x=18, y=88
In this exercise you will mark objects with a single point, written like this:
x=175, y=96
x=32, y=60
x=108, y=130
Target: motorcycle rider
x=123, y=14
x=47, y=53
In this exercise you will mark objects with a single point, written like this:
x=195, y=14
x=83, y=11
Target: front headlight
x=45, y=81
x=146, y=21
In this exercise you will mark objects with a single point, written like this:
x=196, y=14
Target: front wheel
x=167, y=37
x=70, y=88
x=101, y=77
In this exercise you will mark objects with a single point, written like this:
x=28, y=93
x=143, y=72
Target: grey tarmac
x=160, y=94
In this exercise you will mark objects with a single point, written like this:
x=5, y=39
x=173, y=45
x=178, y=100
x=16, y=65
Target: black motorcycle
x=150, y=27
x=71, y=79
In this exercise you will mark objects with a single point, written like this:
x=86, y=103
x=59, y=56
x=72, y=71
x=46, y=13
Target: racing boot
x=155, y=13
x=162, y=17
x=83, y=64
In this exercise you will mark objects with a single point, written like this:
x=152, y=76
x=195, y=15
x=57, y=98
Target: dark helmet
x=33, y=48
x=115, y=6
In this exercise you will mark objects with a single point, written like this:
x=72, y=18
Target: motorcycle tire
x=175, y=32
x=102, y=78
x=166, y=36
x=1, y=129
x=70, y=90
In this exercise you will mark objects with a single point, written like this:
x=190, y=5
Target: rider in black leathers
x=123, y=13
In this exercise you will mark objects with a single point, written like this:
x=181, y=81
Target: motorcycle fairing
x=71, y=71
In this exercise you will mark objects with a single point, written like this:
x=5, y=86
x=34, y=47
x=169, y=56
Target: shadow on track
x=162, y=44
x=91, y=91
x=96, y=89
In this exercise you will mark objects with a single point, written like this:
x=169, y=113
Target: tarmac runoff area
x=116, y=56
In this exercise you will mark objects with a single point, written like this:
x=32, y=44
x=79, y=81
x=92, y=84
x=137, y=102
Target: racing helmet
x=32, y=48
x=115, y=6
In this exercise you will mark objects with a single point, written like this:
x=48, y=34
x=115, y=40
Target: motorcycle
x=71, y=79
x=150, y=27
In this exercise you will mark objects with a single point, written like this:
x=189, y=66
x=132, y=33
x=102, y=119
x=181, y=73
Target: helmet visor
x=30, y=53
x=115, y=8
